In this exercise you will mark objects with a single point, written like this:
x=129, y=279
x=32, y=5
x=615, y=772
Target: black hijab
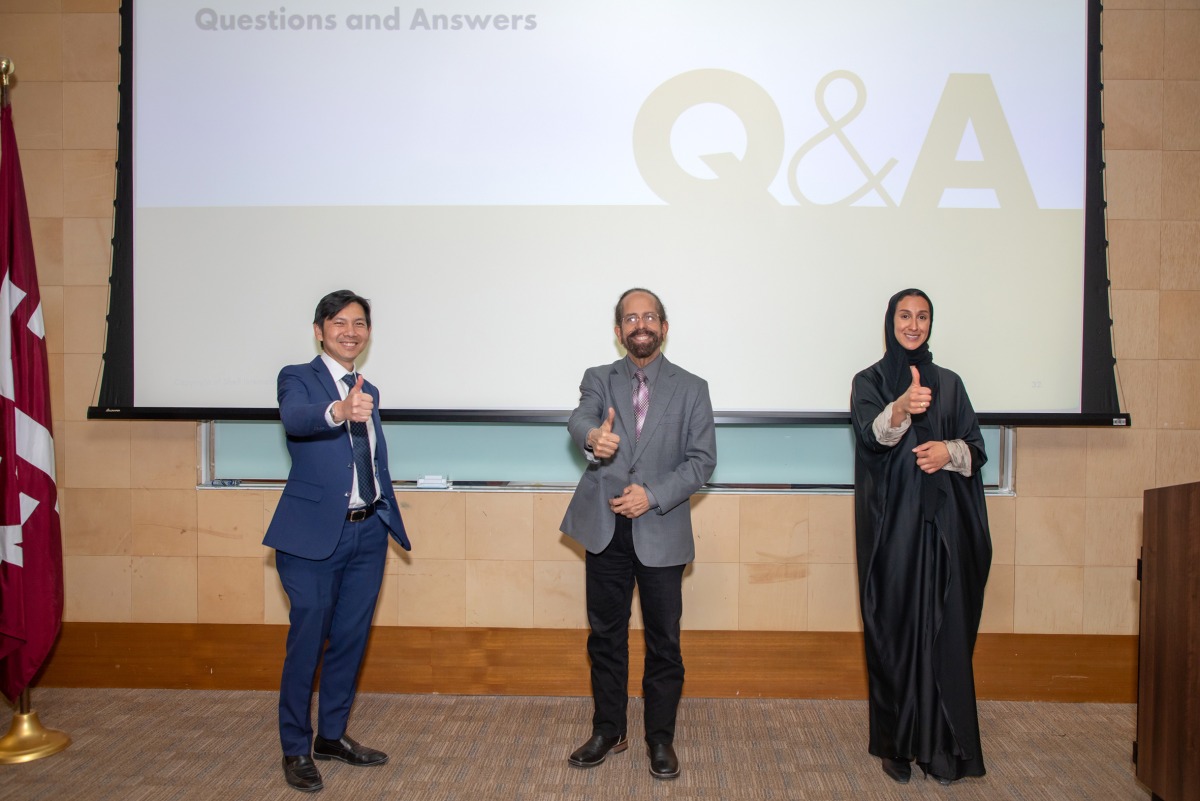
x=896, y=363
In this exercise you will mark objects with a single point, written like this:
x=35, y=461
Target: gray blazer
x=675, y=456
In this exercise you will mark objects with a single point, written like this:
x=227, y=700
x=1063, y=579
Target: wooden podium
x=1167, y=750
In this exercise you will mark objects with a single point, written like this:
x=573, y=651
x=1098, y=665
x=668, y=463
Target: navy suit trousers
x=332, y=600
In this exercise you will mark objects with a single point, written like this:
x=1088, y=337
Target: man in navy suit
x=330, y=533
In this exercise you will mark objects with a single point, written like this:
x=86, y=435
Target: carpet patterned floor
x=162, y=745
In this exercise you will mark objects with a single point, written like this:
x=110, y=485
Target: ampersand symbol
x=874, y=179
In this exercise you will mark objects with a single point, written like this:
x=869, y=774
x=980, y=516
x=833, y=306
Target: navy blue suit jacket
x=309, y=518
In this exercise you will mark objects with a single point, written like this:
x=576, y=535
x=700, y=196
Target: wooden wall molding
x=472, y=661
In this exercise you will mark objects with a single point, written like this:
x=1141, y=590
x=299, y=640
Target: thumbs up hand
x=357, y=405
x=602, y=440
x=918, y=398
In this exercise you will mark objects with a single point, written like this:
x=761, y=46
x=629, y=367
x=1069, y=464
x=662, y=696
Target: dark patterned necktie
x=361, y=443
x=641, y=400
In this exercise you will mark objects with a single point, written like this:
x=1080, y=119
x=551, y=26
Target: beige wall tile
x=87, y=251
x=1133, y=253
x=559, y=595
x=30, y=6
x=163, y=454
x=276, y=609
x=1179, y=325
x=1050, y=531
x=550, y=544
x=710, y=596
x=97, y=522
x=432, y=592
x=80, y=384
x=1180, y=255
x=229, y=589
x=84, y=325
x=773, y=596
x=89, y=182
x=1181, y=115
x=1135, y=323
x=42, y=171
x=37, y=113
x=1178, y=391
x=1120, y=462
x=229, y=523
x=1114, y=532
x=163, y=522
x=831, y=529
x=1181, y=185
x=53, y=315
x=499, y=526
x=97, y=454
x=1049, y=600
x=774, y=528
x=833, y=598
x=1134, y=184
x=48, y=249
x=1138, y=386
x=90, y=115
x=1133, y=45
x=164, y=589
x=1133, y=112
x=435, y=523
x=1181, y=57
x=998, y=599
x=1127, y=4
x=1002, y=522
x=499, y=593
x=1110, y=600
x=75, y=6
x=55, y=364
x=90, y=43
x=34, y=42
x=1050, y=462
x=60, y=454
x=716, y=527
x=97, y=589
x=1178, y=458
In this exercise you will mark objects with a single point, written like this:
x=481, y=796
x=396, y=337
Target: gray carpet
x=171, y=744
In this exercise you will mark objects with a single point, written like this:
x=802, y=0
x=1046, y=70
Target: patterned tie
x=361, y=443
x=641, y=400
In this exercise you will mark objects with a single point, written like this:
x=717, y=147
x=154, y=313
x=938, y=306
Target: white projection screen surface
x=493, y=176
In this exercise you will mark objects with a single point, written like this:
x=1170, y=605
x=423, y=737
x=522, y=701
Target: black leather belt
x=358, y=515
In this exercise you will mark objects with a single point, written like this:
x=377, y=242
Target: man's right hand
x=357, y=405
x=602, y=440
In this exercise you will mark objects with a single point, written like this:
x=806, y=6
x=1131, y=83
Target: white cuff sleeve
x=883, y=430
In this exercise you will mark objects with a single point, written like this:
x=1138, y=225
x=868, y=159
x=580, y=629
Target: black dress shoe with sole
x=898, y=770
x=302, y=774
x=593, y=752
x=347, y=750
x=663, y=762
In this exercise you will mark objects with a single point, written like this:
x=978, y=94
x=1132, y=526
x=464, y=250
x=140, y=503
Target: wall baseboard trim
x=474, y=661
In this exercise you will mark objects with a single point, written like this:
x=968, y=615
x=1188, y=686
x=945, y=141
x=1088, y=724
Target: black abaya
x=922, y=567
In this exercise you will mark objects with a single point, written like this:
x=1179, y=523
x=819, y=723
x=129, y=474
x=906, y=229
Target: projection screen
x=493, y=176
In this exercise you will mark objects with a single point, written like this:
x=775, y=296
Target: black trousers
x=611, y=575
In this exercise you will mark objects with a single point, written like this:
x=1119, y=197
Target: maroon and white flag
x=31, y=587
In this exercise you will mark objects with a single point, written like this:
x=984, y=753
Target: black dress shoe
x=899, y=770
x=663, y=762
x=348, y=751
x=301, y=773
x=593, y=752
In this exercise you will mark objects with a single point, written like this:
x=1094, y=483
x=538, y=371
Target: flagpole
x=27, y=739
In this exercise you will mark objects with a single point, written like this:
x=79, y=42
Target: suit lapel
x=622, y=395
x=660, y=399
x=325, y=379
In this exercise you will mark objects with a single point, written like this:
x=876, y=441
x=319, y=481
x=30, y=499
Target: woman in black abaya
x=923, y=550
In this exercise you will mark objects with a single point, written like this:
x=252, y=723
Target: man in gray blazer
x=646, y=428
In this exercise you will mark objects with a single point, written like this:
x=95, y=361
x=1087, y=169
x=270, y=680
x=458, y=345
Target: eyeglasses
x=649, y=318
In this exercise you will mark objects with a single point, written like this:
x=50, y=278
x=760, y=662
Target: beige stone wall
x=143, y=544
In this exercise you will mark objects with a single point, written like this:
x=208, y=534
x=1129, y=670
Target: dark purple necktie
x=361, y=443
